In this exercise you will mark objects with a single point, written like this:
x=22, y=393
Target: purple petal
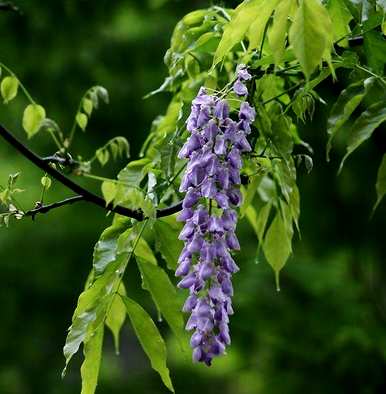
x=240, y=89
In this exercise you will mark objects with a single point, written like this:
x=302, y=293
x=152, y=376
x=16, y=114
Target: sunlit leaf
x=150, y=339
x=87, y=106
x=277, y=33
x=116, y=316
x=236, y=29
x=340, y=18
x=109, y=191
x=33, y=116
x=46, y=182
x=310, y=34
x=256, y=30
x=277, y=245
x=92, y=359
x=81, y=120
x=9, y=86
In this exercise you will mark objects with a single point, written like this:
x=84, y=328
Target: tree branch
x=46, y=208
x=83, y=194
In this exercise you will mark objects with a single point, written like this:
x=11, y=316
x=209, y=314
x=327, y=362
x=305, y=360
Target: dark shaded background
x=323, y=333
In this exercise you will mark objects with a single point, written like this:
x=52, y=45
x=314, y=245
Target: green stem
x=263, y=39
x=73, y=128
x=283, y=93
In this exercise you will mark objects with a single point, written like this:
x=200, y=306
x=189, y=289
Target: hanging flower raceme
x=212, y=186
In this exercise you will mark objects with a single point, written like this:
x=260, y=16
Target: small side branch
x=46, y=208
x=82, y=193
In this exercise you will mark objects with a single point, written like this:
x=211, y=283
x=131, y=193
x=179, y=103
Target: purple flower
x=211, y=181
x=242, y=73
x=240, y=89
x=247, y=112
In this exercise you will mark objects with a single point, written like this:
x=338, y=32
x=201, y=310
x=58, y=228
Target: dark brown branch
x=83, y=193
x=46, y=208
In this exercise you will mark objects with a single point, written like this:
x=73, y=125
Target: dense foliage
x=290, y=48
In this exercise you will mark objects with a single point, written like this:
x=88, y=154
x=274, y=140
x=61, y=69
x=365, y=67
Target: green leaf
x=116, y=316
x=144, y=252
x=87, y=106
x=92, y=360
x=346, y=104
x=167, y=242
x=46, y=182
x=33, y=116
x=235, y=30
x=164, y=295
x=134, y=172
x=310, y=34
x=249, y=193
x=111, y=256
x=106, y=249
x=8, y=88
x=150, y=339
x=381, y=182
x=277, y=245
x=109, y=191
x=258, y=218
x=278, y=31
x=375, y=50
x=256, y=30
x=364, y=126
x=81, y=120
x=340, y=18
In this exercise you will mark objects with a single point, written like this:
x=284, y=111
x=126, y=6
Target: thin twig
x=46, y=208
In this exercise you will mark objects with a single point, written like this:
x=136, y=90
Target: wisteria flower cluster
x=212, y=186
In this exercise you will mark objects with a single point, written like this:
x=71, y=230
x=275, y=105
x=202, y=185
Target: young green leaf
x=109, y=191
x=150, y=339
x=116, y=316
x=310, y=34
x=87, y=106
x=46, y=182
x=277, y=245
x=32, y=118
x=278, y=31
x=381, y=182
x=340, y=18
x=92, y=359
x=235, y=30
x=9, y=86
x=256, y=30
x=81, y=120
x=364, y=126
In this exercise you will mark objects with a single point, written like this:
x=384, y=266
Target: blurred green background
x=323, y=333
